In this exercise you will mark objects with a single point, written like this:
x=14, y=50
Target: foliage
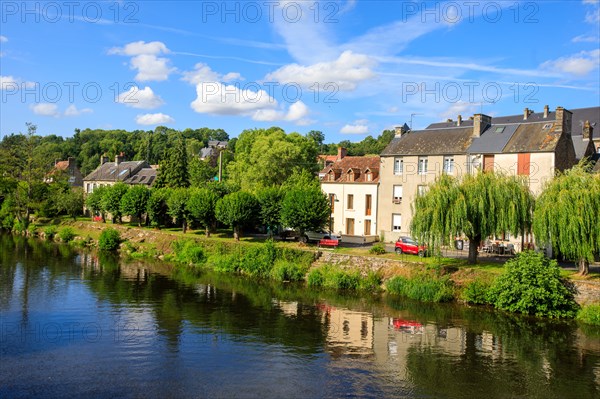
x=531, y=284
x=111, y=200
x=377, y=249
x=590, y=314
x=237, y=210
x=189, y=252
x=66, y=234
x=70, y=202
x=174, y=172
x=476, y=292
x=95, y=203
x=422, y=287
x=477, y=206
x=50, y=232
x=156, y=206
x=201, y=208
x=566, y=215
x=135, y=202
x=269, y=200
x=109, y=240
x=177, y=206
x=284, y=270
x=201, y=172
x=333, y=277
x=305, y=209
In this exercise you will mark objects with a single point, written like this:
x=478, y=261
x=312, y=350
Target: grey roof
x=110, y=171
x=143, y=176
x=207, y=152
x=217, y=143
x=431, y=142
x=534, y=137
x=492, y=141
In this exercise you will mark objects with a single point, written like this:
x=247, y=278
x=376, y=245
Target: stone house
x=109, y=173
x=70, y=169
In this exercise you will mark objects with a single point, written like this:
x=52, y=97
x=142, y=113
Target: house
x=109, y=173
x=351, y=184
x=212, y=151
x=535, y=145
x=69, y=169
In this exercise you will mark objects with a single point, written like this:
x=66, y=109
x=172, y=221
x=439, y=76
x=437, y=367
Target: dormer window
x=547, y=126
x=369, y=176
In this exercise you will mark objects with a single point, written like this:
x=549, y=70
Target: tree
x=305, y=208
x=477, y=206
x=237, y=210
x=177, y=204
x=174, y=172
x=566, y=215
x=269, y=200
x=111, y=200
x=156, y=207
x=71, y=202
x=95, y=203
x=135, y=201
x=201, y=172
x=201, y=208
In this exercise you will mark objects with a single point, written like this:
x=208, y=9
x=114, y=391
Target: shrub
x=531, y=284
x=315, y=278
x=372, y=282
x=377, y=249
x=590, y=314
x=188, y=251
x=223, y=263
x=110, y=239
x=476, y=292
x=287, y=271
x=333, y=277
x=50, y=232
x=423, y=287
x=66, y=234
x=32, y=230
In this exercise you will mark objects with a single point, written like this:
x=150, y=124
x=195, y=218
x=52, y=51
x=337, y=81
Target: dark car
x=406, y=245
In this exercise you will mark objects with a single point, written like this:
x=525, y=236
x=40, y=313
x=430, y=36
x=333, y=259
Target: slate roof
x=534, y=137
x=492, y=140
x=145, y=176
x=359, y=165
x=435, y=141
x=110, y=171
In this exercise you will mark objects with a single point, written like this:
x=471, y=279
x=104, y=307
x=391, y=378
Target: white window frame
x=398, y=166
x=449, y=164
x=396, y=222
x=421, y=190
x=423, y=164
x=397, y=194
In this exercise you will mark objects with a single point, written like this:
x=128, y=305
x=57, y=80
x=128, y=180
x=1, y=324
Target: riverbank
x=221, y=252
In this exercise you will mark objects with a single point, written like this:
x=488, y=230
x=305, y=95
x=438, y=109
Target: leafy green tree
x=566, y=215
x=95, y=203
x=177, y=204
x=477, y=206
x=201, y=208
x=201, y=172
x=305, y=209
x=71, y=202
x=237, y=210
x=174, y=172
x=134, y=202
x=156, y=208
x=270, y=200
x=111, y=200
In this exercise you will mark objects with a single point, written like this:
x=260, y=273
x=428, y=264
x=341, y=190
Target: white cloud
x=153, y=119
x=73, y=111
x=591, y=1
x=356, y=128
x=346, y=72
x=296, y=113
x=586, y=39
x=140, y=48
x=579, y=64
x=46, y=109
x=3, y=39
x=202, y=73
x=218, y=99
x=462, y=108
x=11, y=83
x=140, y=98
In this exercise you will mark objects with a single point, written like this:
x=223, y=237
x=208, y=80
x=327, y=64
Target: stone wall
x=587, y=292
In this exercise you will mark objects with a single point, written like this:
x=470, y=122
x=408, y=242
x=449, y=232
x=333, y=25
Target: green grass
x=422, y=287
x=590, y=314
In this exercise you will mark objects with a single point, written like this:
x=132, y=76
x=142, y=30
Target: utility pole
x=220, y=164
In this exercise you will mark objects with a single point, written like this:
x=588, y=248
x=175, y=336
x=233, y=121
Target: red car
x=406, y=245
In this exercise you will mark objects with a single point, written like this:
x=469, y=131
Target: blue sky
x=347, y=68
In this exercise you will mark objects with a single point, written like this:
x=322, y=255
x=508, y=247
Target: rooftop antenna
x=411, y=119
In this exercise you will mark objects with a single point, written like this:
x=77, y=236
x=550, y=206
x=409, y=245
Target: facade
x=68, y=167
x=351, y=184
x=110, y=173
x=535, y=145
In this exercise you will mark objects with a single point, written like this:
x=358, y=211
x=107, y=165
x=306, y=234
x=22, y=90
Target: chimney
x=341, y=153
x=119, y=158
x=458, y=120
x=526, y=113
x=480, y=123
x=401, y=130
x=546, y=111
x=103, y=159
x=563, y=120
x=588, y=131
x=448, y=120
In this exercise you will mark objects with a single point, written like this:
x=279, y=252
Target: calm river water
x=78, y=325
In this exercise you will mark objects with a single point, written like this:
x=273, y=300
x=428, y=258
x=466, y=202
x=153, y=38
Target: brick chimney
x=103, y=159
x=341, y=153
x=526, y=113
x=480, y=123
x=546, y=111
x=119, y=158
x=563, y=120
x=588, y=131
x=458, y=120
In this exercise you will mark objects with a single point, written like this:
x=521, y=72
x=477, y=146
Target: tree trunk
x=473, y=249
x=236, y=233
x=584, y=267
x=184, y=226
x=207, y=231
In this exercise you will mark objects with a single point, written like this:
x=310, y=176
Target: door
x=367, y=227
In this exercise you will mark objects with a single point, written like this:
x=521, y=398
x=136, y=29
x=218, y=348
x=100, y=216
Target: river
x=75, y=324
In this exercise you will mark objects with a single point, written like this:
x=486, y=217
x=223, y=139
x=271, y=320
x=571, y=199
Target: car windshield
x=409, y=241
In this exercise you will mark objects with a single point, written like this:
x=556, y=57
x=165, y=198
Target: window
x=350, y=175
x=396, y=222
x=332, y=202
x=474, y=163
x=368, y=204
x=369, y=176
x=422, y=165
x=398, y=166
x=350, y=201
x=499, y=129
x=421, y=190
x=449, y=165
x=367, y=227
x=350, y=226
x=397, y=194
x=523, y=164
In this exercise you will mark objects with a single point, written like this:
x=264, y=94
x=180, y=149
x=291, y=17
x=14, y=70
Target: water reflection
x=83, y=324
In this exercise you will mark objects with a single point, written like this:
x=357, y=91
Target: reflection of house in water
x=349, y=332
x=287, y=307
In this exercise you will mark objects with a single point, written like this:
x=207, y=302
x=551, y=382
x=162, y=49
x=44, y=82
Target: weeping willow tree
x=476, y=206
x=566, y=215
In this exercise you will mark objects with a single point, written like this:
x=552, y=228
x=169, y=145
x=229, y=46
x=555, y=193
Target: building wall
x=90, y=186
x=358, y=213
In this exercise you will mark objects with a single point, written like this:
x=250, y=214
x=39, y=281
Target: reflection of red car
x=406, y=245
x=399, y=323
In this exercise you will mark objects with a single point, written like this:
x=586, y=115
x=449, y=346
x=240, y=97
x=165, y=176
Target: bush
x=371, y=283
x=32, y=230
x=377, y=249
x=333, y=277
x=66, y=234
x=188, y=251
x=287, y=271
x=110, y=239
x=531, y=284
x=476, y=292
x=50, y=232
x=423, y=287
x=590, y=314
x=315, y=278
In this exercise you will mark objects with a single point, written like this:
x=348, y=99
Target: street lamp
x=332, y=199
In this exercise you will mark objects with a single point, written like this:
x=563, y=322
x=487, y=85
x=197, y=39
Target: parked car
x=286, y=233
x=406, y=245
x=318, y=235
